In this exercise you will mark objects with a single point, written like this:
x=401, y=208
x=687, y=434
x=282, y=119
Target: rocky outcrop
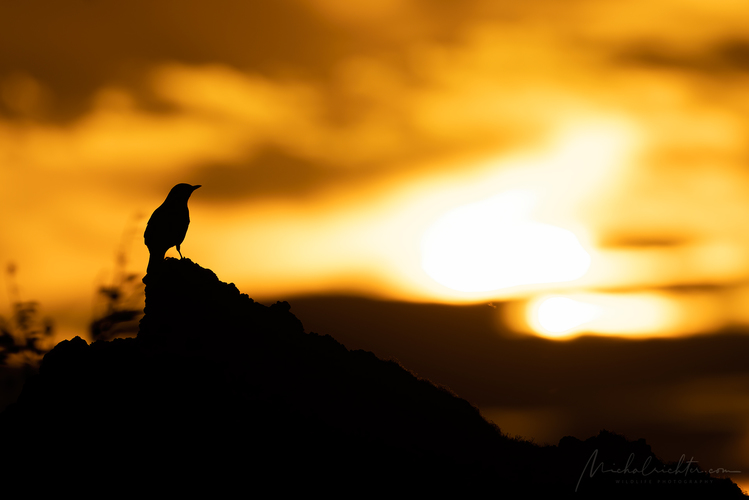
x=221, y=392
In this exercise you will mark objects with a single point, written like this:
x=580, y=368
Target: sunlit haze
x=582, y=167
x=489, y=245
x=484, y=159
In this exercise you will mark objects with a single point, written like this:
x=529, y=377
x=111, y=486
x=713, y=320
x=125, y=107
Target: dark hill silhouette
x=220, y=392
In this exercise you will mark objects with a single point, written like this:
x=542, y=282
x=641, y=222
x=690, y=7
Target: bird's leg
x=180, y=253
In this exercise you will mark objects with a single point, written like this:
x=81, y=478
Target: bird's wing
x=166, y=228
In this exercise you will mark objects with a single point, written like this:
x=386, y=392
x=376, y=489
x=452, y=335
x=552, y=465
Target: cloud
x=310, y=110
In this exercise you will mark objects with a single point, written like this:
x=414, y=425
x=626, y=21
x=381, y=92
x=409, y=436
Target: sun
x=492, y=244
x=559, y=316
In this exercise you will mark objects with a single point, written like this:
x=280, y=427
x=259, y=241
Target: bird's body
x=168, y=224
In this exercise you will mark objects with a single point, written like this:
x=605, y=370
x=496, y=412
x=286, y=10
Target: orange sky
x=586, y=160
x=330, y=138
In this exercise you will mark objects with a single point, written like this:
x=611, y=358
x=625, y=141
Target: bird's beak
x=196, y=187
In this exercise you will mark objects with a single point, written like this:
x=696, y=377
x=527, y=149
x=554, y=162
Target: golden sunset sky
x=583, y=162
x=593, y=150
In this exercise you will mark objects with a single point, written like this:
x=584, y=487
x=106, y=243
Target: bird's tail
x=155, y=259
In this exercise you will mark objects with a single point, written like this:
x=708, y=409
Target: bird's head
x=181, y=192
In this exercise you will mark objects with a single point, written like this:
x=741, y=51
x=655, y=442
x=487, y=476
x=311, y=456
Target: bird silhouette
x=167, y=226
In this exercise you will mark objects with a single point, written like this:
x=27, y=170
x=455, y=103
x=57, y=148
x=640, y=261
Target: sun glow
x=492, y=244
x=558, y=315
x=638, y=314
